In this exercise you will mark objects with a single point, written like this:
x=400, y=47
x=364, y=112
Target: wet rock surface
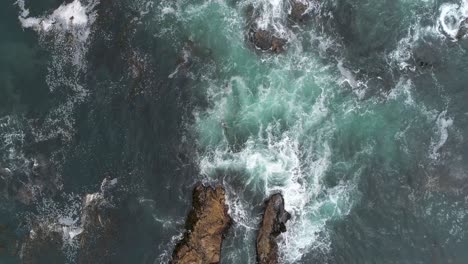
x=96, y=232
x=273, y=223
x=36, y=179
x=43, y=245
x=266, y=40
x=205, y=226
x=99, y=223
x=463, y=30
x=299, y=10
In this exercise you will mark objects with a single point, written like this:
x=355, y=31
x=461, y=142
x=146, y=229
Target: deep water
x=361, y=123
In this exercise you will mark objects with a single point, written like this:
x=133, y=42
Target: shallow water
x=360, y=123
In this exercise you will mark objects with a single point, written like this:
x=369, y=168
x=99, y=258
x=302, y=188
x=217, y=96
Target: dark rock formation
x=273, y=223
x=206, y=225
x=302, y=10
x=99, y=222
x=43, y=245
x=299, y=10
x=97, y=233
x=35, y=178
x=266, y=40
x=463, y=29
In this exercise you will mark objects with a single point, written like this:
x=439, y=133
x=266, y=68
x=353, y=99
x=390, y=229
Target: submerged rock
x=302, y=10
x=273, y=223
x=205, y=226
x=43, y=245
x=299, y=10
x=96, y=234
x=266, y=40
x=99, y=224
x=463, y=30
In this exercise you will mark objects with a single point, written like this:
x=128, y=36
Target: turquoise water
x=360, y=123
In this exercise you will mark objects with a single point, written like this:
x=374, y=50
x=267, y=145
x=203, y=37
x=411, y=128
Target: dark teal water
x=361, y=124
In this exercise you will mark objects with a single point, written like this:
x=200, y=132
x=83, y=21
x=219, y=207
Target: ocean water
x=361, y=123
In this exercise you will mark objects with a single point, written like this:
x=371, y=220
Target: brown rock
x=43, y=245
x=99, y=223
x=266, y=40
x=298, y=10
x=205, y=226
x=273, y=223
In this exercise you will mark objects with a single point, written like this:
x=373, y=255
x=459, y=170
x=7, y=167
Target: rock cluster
x=96, y=233
x=208, y=220
x=206, y=225
x=266, y=40
x=271, y=37
x=273, y=223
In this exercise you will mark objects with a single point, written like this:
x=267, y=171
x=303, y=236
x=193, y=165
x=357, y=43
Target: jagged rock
x=99, y=223
x=299, y=10
x=96, y=233
x=266, y=40
x=43, y=245
x=463, y=29
x=273, y=223
x=37, y=178
x=205, y=226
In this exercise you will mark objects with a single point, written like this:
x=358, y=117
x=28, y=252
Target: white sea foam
x=451, y=18
x=443, y=123
x=73, y=17
x=292, y=159
x=62, y=218
x=273, y=161
x=272, y=13
x=53, y=31
x=402, y=89
x=67, y=217
x=347, y=76
x=76, y=19
x=12, y=157
x=403, y=53
x=276, y=168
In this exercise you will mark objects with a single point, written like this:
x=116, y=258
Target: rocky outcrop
x=96, y=233
x=273, y=223
x=205, y=226
x=266, y=40
x=99, y=224
x=43, y=245
x=35, y=178
x=299, y=10
x=463, y=30
x=302, y=10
